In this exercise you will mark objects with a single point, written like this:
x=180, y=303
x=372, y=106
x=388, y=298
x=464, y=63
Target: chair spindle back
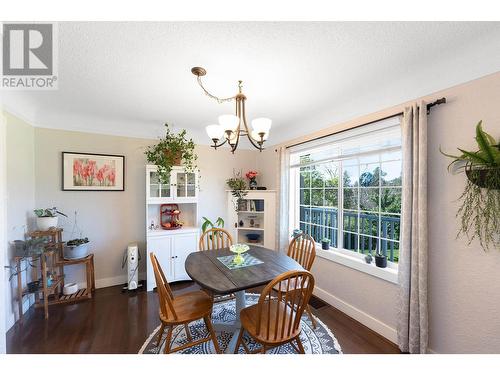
x=279, y=318
x=215, y=238
x=303, y=250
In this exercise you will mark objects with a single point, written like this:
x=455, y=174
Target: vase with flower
x=252, y=183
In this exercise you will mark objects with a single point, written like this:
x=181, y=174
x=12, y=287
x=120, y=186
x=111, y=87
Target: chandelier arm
x=249, y=134
x=219, y=100
x=237, y=131
x=220, y=144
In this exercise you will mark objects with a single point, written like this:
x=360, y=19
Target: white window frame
x=349, y=258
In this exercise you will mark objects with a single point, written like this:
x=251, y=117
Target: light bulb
x=229, y=122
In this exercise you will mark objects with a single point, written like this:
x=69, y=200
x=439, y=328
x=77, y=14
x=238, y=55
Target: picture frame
x=92, y=172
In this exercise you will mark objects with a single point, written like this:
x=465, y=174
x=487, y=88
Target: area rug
x=315, y=341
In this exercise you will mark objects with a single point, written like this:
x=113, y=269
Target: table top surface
x=204, y=268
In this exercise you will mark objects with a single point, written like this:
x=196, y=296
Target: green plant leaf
x=474, y=157
x=484, y=144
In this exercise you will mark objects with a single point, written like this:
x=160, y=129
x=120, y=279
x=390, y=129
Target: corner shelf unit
x=257, y=213
x=171, y=247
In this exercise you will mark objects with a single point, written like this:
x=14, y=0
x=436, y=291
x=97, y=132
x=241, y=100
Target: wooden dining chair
x=303, y=250
x=181, y=310
x=276, y=321
x=215, y=238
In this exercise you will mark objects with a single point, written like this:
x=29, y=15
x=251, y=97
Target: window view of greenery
x=367, y=198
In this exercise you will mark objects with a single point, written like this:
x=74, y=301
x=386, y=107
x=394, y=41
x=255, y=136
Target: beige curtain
x=412, y=324
x=284, y=198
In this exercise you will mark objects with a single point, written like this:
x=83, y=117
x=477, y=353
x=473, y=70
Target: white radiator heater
x=133, y=266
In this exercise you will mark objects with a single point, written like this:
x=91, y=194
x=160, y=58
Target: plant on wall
x=172, y=149
x=480, y=209
x=238, y=188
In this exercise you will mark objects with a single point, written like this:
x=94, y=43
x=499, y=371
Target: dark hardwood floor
x=116, y=322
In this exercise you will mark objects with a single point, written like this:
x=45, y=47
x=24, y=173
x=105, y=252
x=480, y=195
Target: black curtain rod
x=429, y=106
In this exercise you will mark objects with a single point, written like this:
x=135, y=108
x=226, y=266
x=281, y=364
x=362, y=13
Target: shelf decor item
x=480, y=207
x=172, y=150
x=47, y=218
x=252, y=182
x=169, y=216
x=239, y=249
x=93, y=172
x=238, y=189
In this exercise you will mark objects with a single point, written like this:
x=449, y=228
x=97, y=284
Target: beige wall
x=20, y=173
x=112, y=220
x=464, y=281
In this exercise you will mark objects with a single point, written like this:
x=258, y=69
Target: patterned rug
x=315, y=341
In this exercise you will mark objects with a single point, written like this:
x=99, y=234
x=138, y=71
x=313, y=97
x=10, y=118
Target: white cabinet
x=171, y=248
x=256, y=217
x=181, y=186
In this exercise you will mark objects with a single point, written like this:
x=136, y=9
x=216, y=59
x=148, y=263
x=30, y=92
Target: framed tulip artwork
x=93, y=172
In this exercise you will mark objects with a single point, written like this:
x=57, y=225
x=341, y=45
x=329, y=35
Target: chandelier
x=231, y=127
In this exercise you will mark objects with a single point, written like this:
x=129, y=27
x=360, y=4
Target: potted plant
x=297, y=233
x=252, y=183
x=30, y=248
x=238, y=189
x=172, y=149
x=325, y=243
x=368, y=258
x=77, y=248
x=480, y=207
x=47, y=218
x=207, y=223
x=380, y=259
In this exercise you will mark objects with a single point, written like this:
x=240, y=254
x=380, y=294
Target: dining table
x=216, y=271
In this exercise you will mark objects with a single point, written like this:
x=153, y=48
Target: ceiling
x=129, y=78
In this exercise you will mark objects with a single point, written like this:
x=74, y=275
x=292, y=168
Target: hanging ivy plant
x=172, y=149
x=479, y=212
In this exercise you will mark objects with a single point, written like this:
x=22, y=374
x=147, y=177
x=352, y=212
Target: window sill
x=357, y=262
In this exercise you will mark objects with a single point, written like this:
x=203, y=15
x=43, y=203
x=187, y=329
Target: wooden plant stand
x=53, y=261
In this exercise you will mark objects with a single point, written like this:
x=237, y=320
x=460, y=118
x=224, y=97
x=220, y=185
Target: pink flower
x=251, y=174
x=111, y=176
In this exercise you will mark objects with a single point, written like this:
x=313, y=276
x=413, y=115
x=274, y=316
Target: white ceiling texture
x=128, y=78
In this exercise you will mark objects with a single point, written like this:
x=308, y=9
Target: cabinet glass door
x=157, y=189
x=186, y=185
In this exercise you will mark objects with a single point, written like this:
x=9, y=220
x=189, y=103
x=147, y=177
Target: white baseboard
x=112, y=281
x=355, y=313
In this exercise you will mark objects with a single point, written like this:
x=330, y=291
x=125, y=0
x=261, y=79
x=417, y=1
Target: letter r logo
x=27, y=49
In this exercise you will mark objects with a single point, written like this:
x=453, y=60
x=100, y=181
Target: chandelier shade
x=215, y=132
x=232, y=127
x=229, y=122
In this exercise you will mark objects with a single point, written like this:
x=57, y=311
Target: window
x=347, y=188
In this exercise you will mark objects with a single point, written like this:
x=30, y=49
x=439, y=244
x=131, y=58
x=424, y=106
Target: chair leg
x=263, y=350
x=238, y=342
x=299, y=344
x=160, y=333
x=313, y=321
x=210, y=328
x=169, y=338
x=188, y=334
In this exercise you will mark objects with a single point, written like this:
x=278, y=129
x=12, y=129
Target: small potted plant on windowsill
x=47, y=218
x=380, y=260
x=325, y=243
